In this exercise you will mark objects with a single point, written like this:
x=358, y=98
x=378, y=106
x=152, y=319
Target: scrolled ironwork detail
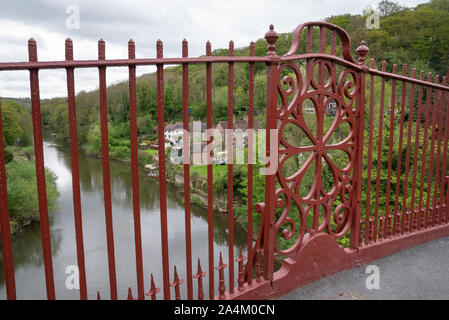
x=320, y=207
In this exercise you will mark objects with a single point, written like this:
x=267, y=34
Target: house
x=238, y=125
x=198, y=154
x=331, y=108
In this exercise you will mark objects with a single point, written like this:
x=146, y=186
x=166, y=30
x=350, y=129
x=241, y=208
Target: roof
x=174, y=126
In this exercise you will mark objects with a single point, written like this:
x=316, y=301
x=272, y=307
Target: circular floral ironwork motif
x=325, y=207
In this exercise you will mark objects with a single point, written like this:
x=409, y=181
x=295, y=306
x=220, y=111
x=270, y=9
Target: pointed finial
x=221, y=281
x=199, y=276
x=200, y=272
x=176, y=282
x=153, y=290
x=271, y=37
x=241, y=278
x=130, y=294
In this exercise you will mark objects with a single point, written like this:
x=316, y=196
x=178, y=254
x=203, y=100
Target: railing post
x=356, y=229
x=270, y=178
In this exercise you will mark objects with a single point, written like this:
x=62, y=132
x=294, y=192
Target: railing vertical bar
x=444, y=202
x=40, y=172
x=438, y=157
x=322, y=39
x=379, y=156
x=135, y=171
x=7, y=254
x=230, y=168
x=272, y=159
x=309, y=39
x=415, y=215
x=334, y=43
x=398, y=215
x=356, y=228
x=429, y=211
x=421, y=212
x=210, y=193
x=407, y=215
x=75, y=171
x=106, y=172
x=162, y=173
x=387, y=215
x=250, y=162
x=185, y=118
x=368, y=225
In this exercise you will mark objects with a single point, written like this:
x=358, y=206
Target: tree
x=387, y=8
x=10, y=122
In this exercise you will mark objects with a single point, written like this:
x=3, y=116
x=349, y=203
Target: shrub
x=22, y=191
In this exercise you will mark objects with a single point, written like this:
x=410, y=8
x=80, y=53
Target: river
x=29, y=268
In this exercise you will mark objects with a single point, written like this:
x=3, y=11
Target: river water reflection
x=29, y=269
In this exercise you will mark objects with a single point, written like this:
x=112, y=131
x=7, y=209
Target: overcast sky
x=117, y=21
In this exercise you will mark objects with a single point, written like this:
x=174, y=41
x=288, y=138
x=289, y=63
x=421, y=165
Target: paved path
x=420, y=273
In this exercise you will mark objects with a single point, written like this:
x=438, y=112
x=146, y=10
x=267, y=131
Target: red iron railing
x=312, y=223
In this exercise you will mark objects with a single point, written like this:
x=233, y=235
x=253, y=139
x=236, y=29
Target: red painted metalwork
x=106, y=172
x=162, y=173
x=210, y=193
x=185, y=117
x=199, y=276
x=415, y=160
x=241, y=280
x=221, y=287
x=75, y=171
x=5, y=231
x=249, y=274
x=270, y=179
x=135, y=171
x=369, y=228
x=398, y=214
x=375, y=228
x=176, y=283
x=430, y=213
x=230, y=161
x=378, y=220
x=153, y=290
x=40, y=172
x=130, y=295
x=407, y=221
x=421, y=211
x=387, y=216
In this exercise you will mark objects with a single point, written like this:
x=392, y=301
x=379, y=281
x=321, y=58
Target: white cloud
x=144, y=21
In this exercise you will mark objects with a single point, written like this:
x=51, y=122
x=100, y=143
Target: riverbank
x=22, y=189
